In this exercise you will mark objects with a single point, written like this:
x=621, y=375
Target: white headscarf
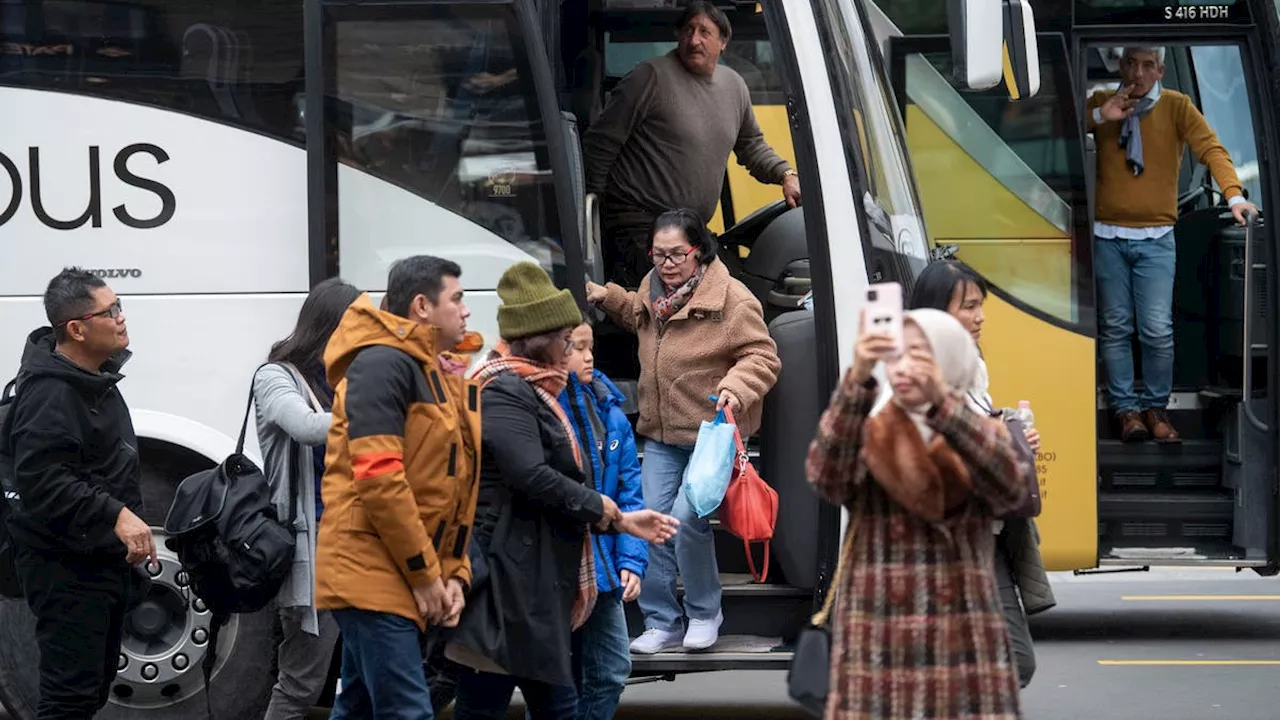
x=979, y=396
x=955, y=354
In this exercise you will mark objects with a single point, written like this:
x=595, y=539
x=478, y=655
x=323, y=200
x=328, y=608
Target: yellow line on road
x=1189, y=662
x=1196, y=598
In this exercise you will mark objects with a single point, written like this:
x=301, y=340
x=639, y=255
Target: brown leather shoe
x=1157, y=421
x=1132, y=429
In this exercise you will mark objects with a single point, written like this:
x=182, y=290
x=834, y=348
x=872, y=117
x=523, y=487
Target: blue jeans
x=602, y=659
x=382, y=671
x=694, y=553
x=1135, y=286
x=486, y=696
x=605, y=657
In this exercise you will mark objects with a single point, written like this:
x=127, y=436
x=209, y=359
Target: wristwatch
x=789, y=172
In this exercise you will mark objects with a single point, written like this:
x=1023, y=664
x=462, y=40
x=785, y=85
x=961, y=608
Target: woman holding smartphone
x=954, y=288
x=923, y=477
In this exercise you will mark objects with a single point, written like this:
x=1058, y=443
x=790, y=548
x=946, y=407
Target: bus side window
x=1020, y=162
x=1224, y=100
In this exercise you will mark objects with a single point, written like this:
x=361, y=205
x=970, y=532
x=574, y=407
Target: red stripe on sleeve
x=371, y=465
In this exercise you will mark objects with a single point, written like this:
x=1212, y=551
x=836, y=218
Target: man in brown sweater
x=1140, y=132
x=663, y=141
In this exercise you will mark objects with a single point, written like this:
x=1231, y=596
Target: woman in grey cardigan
x=293, y=401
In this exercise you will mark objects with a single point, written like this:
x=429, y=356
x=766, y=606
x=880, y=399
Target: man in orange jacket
x=399, y=487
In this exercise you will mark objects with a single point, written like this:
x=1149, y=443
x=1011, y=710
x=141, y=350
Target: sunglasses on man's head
x=113, y=311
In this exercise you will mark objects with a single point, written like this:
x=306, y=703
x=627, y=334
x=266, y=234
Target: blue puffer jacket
x=620, y=476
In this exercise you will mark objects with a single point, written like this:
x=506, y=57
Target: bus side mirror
x=1022, y=74
x=976, y=41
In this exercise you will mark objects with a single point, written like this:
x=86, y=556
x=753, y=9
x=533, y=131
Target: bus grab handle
x=1245, y=404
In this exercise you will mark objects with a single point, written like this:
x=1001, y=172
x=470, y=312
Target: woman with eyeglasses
x=701, y=334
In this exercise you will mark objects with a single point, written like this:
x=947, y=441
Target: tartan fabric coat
x=918, y=632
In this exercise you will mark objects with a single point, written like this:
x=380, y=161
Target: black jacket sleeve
x=510, y=427
x=47, y=444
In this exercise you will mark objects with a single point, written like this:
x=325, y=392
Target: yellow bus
x=1007, y=183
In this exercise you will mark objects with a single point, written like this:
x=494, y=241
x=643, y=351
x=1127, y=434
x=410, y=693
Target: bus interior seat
x=791, y=412
x=217, y=55
x=777, y=270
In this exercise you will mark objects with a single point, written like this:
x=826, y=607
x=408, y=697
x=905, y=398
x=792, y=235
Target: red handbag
x=750, y=507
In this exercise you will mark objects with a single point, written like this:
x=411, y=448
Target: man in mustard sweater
x=1140, y=132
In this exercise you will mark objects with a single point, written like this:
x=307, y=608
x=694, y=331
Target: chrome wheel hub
x=165, y=638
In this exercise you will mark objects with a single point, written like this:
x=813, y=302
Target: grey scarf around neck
x=1131, y=131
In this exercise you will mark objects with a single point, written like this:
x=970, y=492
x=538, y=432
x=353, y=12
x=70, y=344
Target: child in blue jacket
x=593, y=405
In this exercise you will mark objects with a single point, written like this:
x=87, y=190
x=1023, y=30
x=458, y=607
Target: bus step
x=1192, y=466
x=1154, y=519
x=732, y=652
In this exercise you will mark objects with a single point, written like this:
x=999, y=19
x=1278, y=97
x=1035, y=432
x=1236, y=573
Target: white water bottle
x=1025, y=415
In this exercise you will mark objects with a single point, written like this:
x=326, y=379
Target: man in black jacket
x=75, y=464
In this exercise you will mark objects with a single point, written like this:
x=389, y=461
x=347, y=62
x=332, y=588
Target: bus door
x=1211, y=499
x=433, y=128
x=1002, y=184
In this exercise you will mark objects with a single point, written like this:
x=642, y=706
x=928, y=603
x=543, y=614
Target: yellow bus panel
x=748, y=194
x=1031, y=359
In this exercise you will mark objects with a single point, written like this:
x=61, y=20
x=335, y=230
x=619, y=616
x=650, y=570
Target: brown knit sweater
x=717, y=342
x=663, y=140
x=1150, y=199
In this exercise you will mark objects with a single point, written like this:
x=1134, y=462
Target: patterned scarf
x=548, y=384
x=666, y=303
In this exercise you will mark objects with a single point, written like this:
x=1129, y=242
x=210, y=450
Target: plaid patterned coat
x=918, y=631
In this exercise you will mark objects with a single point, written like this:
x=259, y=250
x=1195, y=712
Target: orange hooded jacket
x=402, y=466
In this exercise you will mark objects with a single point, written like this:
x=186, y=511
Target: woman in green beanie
x=533, y=567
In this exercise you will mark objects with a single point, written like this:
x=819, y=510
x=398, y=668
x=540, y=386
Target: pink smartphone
x=884, y=311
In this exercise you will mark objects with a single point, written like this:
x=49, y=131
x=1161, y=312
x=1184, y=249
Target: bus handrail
x=592, y=238
x=1247, y=381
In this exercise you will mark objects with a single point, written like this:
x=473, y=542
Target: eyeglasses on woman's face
x=674, y=259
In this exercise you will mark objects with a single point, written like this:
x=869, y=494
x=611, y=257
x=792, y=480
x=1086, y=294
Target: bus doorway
x=1032, y=165
x=1209, y=498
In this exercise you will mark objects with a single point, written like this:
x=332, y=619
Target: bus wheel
x=164, y=642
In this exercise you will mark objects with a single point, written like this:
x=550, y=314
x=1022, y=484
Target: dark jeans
x=486, y=696
x=382, y=672
x=79, y=606
x=604, y=658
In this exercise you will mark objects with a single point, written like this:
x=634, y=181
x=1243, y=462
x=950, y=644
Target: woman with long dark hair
x=294, y=403
x=954, y=288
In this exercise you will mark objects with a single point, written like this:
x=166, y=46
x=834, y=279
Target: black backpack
x=224, y=528
x=10, y=584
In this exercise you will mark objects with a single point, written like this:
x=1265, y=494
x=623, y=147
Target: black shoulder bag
x=808, y=679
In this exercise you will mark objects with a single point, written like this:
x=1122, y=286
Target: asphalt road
x=1169, y=644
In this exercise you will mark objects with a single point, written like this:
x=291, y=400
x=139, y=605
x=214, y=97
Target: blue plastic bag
x=706, y=477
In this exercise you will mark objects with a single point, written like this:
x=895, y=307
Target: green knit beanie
x=531, y=303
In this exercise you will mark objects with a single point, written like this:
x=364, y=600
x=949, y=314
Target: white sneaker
x=702, y=634
x=655, y=641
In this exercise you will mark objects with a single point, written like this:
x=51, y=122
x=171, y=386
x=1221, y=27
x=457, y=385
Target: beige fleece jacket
x=717, y=342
